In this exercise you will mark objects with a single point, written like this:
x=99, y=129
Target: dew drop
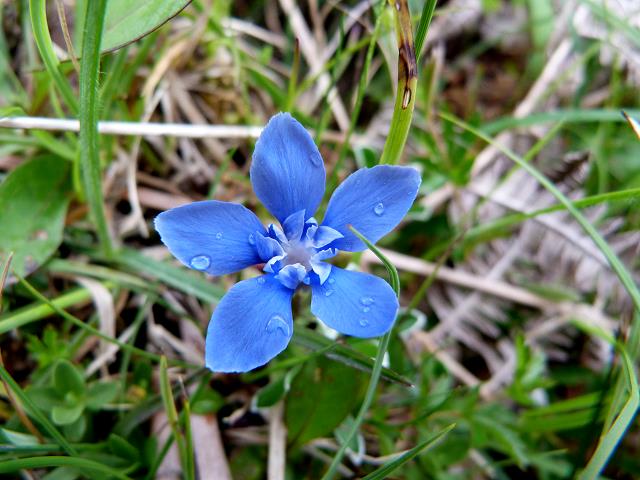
x=278, y=324
x=200, y=262
x=378, y=209
x=328, y=293
x=261, y=280
x=332, y=281
x=316, y=160
x=363, y=322
x=219, y=235
x=366, y=309
x=366, y=301
x=252, y=239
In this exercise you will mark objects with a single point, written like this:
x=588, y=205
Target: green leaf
x=276, y=389
x=101, y=393
x=207, y=402
x=17, y=438
x=66, y=414
x=38, y=193
x=321, y=397
x=45, y=398
x=129, y=20
x=67, y=379
x=76, y=430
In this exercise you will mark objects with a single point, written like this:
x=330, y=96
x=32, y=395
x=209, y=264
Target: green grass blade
x=612, y=437
x=423, y=25
x=176, y=277
x=81, y=464
x=386, y=470
x=174, y=419
x=377, y=367
x=38, y=15
x=343, y=354
x=566, y=116
x=501, y=224
x=33, y=313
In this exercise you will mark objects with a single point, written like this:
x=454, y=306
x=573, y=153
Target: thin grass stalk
x=91, y=173
x=42, y=37
x=377, y=366
x=174, y=420
x=385, y=470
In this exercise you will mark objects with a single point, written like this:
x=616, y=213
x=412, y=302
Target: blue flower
x=253, y=321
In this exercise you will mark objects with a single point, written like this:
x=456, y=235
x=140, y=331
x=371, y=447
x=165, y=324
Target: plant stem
x=91, y=173
x=377, y=366
x=407, y=86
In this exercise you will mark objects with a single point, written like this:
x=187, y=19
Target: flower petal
x=211, y=236
x=354, y=303
x=319, y=266
x=251, y=325
x=294, y=225
x=291, y=275
x=267, y=247
x=373, y=200
x=287, y=170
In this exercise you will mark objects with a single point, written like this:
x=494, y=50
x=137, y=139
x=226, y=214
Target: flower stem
x=407, y=85
x=91, y=172
x=377, y=366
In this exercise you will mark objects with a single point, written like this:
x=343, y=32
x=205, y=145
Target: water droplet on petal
x=332, y=281
x=363, y=322
x=252, y=239
x=278, y=324
x=200, y=262
x=316, y=160
x=219, y=235
x=366, y=301
x=261, y=280
x=366, y=309
x=328, y=293
x=378, y=209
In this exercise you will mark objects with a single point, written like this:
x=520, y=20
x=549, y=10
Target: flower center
x=297, y=252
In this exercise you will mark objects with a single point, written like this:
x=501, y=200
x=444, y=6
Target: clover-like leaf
x=45, y=397
x=67, y=379
x=101, y=393
x=66, y=414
